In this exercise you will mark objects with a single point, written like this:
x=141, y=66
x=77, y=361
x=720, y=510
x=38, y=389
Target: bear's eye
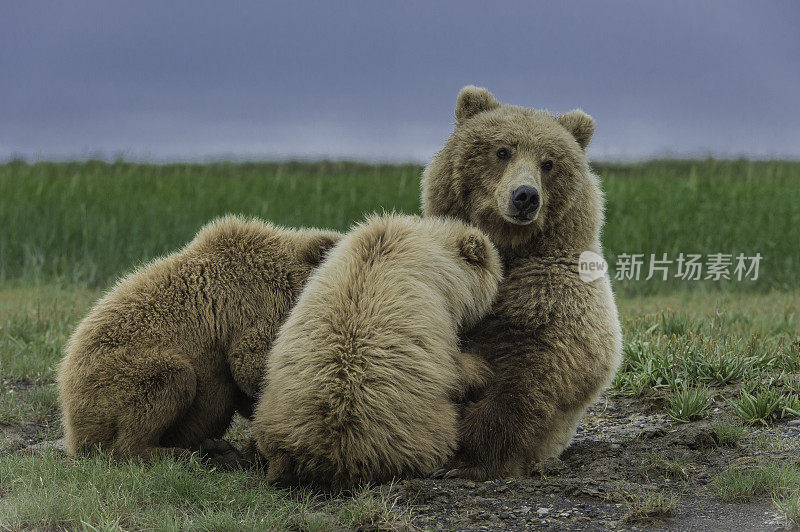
x=547, y=166
x=503, y=153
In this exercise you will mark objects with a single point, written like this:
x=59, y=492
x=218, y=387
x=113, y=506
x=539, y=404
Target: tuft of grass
x=678, y=324
x=652, y=506
x=662, y=465
x=728, y=433
x=790, y=405
x=790, y=506
x=768, y=479
x=687, y=404
x=772, y=442
x=721, y=367
x=367, y=510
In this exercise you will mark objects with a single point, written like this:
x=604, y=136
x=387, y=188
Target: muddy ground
x=596, y=483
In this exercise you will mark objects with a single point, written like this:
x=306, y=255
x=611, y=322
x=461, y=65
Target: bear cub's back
x=361, y=374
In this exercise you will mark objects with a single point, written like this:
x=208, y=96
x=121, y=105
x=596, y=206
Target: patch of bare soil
x=28, y=431
x=624, y=454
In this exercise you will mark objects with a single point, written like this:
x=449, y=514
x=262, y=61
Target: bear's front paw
x=220, y=453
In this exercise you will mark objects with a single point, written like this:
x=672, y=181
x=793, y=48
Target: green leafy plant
x=687, y=404
x=761, y=407
x=790, y=405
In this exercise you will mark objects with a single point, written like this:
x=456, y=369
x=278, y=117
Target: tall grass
x=88, y=222
x=705, y=207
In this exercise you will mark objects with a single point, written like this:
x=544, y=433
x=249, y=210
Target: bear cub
x=164, y=359
x=365, y=373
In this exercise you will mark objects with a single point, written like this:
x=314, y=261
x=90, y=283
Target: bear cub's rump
x=363, y=374
x=164, y=359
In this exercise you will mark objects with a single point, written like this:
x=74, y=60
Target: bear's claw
x=439, y=473
x=466, y=472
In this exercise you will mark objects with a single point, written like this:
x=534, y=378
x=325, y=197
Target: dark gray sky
x=378, y=80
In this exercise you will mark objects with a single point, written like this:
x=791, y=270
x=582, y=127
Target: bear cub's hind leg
x=162, y=388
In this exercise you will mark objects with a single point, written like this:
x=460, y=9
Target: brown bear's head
x=519, y=174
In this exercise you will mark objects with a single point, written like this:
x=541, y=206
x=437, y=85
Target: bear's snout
x=526, y=200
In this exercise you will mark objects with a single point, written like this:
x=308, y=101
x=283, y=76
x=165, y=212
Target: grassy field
x=727, y=354
x=88, y=222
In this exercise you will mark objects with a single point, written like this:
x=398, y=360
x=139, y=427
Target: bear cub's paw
x=473, y=249
x=222, y=454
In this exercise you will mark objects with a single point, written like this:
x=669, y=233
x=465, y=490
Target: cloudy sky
x=377, y=80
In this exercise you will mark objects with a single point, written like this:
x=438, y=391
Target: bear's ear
x=579, y=124
x=313, y=250
x=473, y=100
x=472, y=248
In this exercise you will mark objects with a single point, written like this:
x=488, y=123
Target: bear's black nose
x=525, y=199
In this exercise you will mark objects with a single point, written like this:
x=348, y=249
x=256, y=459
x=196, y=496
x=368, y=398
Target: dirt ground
x=611, y=464
x=596, y=481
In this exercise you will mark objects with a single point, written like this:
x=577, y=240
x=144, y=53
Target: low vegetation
x=726, y=354
x=728, y=433
x=50, y=492
x=652, y=506
x=774, y=480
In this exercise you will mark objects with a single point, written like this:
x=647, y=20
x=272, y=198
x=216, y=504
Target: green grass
x=728, y=433
x=746, y=339
x=767, y=479
x=772, y=442
x=35, y=322
x=660, y=465
x=89, y=222
x=46, y=491
x=790, y=506
x=31, y=403
x=705, y=207
x=777, y=481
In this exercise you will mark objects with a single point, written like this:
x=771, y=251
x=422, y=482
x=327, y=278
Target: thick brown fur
x=363, y=375
x=553, y=340
x=164, y=359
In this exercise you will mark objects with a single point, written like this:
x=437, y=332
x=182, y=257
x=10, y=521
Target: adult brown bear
x=553, y=340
